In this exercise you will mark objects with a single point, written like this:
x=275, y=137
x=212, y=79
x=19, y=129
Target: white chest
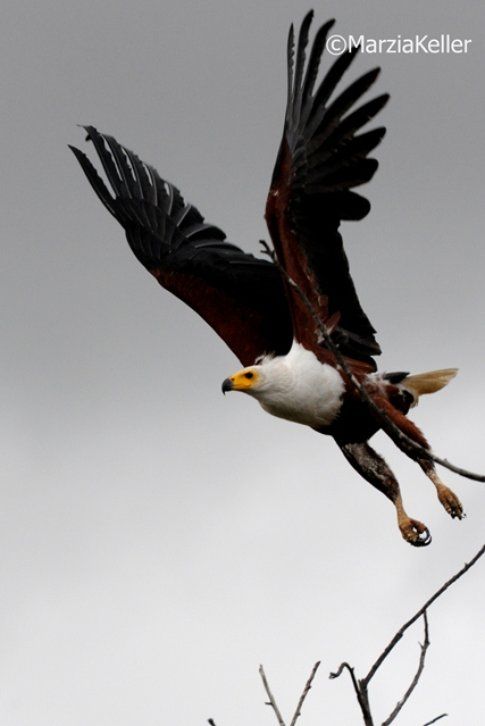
x=299, y=388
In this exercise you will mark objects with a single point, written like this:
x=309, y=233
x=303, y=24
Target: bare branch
x=428, y=723
x=361, y=692
x=389, y=426
x=347, y=667
x=271, y=701
x=397, y=637
x=365, y=705
x=361, y=686
x=304, y=694
x=422, y=657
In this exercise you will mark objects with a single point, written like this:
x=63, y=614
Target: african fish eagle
x=265, y=312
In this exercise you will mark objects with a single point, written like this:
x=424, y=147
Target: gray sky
x=159, y=541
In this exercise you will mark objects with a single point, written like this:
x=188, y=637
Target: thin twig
x=304, y=694
x=346, y=667
x=271, y=702
x=428, y=723
x=360, y=691
x=422, y=657
x=389, y=426
x=397, y=637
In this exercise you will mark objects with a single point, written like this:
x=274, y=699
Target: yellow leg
x=412, y=530
x=447, y=497
x=374, y=469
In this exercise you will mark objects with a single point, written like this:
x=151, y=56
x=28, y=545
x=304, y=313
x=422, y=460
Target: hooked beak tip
x=226, y=386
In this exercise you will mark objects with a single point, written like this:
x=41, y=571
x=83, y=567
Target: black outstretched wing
x=322, y=157
x=241, y=297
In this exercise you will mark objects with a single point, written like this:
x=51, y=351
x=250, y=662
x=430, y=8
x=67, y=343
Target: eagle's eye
x=249, y=376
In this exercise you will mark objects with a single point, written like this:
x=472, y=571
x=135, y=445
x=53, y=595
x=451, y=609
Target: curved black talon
x=424, y=538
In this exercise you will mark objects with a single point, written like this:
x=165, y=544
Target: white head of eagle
x=295, y=386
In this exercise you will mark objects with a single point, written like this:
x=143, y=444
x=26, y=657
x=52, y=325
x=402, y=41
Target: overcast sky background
x=157, y=540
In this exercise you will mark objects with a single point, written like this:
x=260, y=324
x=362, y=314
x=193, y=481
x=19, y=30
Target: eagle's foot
x=414, y=532
x=450, y=501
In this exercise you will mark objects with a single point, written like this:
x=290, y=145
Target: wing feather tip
x=309, y=16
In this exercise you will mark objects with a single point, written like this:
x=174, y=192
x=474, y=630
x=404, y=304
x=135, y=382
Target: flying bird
x=271, y=313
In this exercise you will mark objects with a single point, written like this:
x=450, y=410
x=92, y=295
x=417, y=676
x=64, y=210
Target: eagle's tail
x=430, y=382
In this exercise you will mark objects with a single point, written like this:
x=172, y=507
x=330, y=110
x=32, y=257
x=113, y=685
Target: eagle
x=271, y=310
